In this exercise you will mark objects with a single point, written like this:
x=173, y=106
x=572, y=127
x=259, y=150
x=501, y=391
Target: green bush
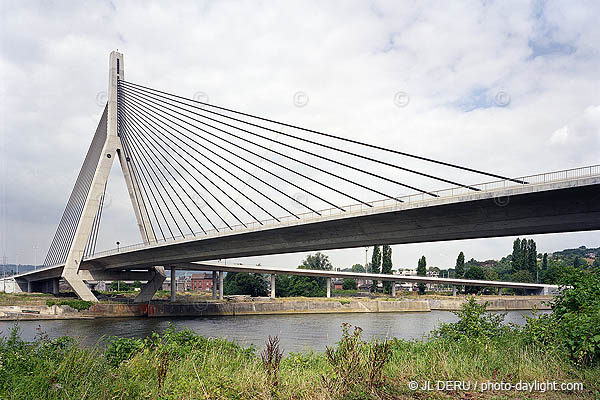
x=349, y=284
x=475, y=324
x=122, y=349
x=573, y=327
x=78, y=305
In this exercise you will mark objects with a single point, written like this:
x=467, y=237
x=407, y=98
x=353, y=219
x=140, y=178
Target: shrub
x=475, y=323
x=349, y=284
x=573, y=328
x=357, y=365
x=122, y=349
x=78, y=305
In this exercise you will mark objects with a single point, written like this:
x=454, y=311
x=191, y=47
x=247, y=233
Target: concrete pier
x=453, y=290
x=214, y=285
x=221, y=276
x=55, y=287
x=393, y=289
x=173, y=283
x=328, y=287
x=272, y=286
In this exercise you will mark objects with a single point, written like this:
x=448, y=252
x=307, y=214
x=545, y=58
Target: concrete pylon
x=221, y=276
x=173, y=284
x=214, y=285
x=111, y=148
x=272, y=286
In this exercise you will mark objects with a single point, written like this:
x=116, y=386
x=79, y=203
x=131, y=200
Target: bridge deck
x=557, y=202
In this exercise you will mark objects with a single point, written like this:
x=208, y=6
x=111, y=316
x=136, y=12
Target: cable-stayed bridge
x=208, y=182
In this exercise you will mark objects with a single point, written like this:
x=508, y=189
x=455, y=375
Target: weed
x=271, y=359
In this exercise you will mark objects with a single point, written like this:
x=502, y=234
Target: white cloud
x=350, y=57
x=581, y=133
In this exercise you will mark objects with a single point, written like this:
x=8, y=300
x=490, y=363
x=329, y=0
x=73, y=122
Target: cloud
x=350, y=58
x=580, y=136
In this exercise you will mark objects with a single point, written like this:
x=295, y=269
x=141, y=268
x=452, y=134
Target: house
x=406, y=272
x=201, y=282
x=338, y=284
x=179, y=282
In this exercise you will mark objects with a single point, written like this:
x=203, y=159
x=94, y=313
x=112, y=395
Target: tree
x=523, y=260
x=522, y=276
x=319, y=262
x=545, y=262
x=357, y=268
x=386, y=267
x=551, y=274
x=293, y=286
x=577, y=262
x=475, y=272
x=349, y=284
x=246, y=283
x=516, y=255
x=375, y=265
x=460, y=265
x=422, y=271
x=531, y=260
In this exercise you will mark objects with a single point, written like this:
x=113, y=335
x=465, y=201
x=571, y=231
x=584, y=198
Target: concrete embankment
x=265, y=306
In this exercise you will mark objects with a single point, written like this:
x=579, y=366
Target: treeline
x=524, y=264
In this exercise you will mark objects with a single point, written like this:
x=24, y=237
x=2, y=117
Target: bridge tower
x=107, y=138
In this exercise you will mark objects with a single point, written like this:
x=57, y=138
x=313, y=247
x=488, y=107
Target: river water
x=296, y=332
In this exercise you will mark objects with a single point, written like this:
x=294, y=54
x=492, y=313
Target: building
x=338, y=284
x=179, y=282
x=201, y=282
x=406, y=272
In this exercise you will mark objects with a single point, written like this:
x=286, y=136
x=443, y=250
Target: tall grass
x=183, y=365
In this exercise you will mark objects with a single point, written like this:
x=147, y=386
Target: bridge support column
x=328, y=287
x=151, y=286
x=214, y=285
x=221, y=285
x=29, y=287
x=453, y=290
x=499, y=291
x=393, y=289
x=272, y=286
x=173, y=284
x=55, y=286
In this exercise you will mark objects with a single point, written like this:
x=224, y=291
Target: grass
x=183, y=365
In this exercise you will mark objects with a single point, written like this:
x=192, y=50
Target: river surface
x=296, y=332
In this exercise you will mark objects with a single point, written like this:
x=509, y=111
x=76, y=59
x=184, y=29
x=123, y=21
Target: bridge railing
x=378, y=205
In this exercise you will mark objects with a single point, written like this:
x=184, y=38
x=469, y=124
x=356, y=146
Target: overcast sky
x=507, y=87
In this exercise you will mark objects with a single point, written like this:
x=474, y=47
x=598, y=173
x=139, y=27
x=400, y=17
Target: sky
x=506, y=87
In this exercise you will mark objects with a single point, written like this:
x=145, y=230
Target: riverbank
x=184, y=365
x=37, y=308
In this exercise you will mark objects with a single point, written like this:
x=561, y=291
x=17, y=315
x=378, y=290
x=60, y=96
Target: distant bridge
x=193, y=170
